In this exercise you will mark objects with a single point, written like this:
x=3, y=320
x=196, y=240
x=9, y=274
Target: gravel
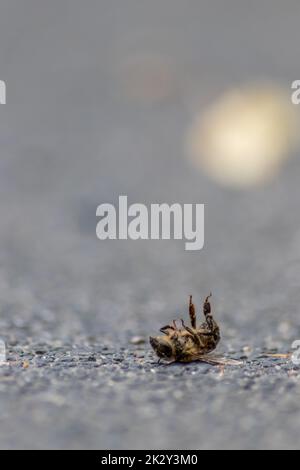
x=92, y=395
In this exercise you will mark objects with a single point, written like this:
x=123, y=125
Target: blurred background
x=164, y=101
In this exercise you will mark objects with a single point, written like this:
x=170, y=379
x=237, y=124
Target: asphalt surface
x=73, y=135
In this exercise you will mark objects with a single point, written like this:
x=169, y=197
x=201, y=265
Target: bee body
x=186, y=344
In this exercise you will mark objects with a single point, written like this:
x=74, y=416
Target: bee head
x=162, y=347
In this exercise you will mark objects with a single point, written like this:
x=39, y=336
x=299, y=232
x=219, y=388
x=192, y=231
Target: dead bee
x=193, y=343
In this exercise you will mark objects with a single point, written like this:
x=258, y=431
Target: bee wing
x=279, y=356
x=216, y=360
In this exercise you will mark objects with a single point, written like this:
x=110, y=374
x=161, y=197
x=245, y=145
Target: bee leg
x=192, y=333
x=165, y=329
x=207, y=312
x=206, y=305
x=192, y=312
x=166, y=364
x=212, y=326
x=174, y=325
